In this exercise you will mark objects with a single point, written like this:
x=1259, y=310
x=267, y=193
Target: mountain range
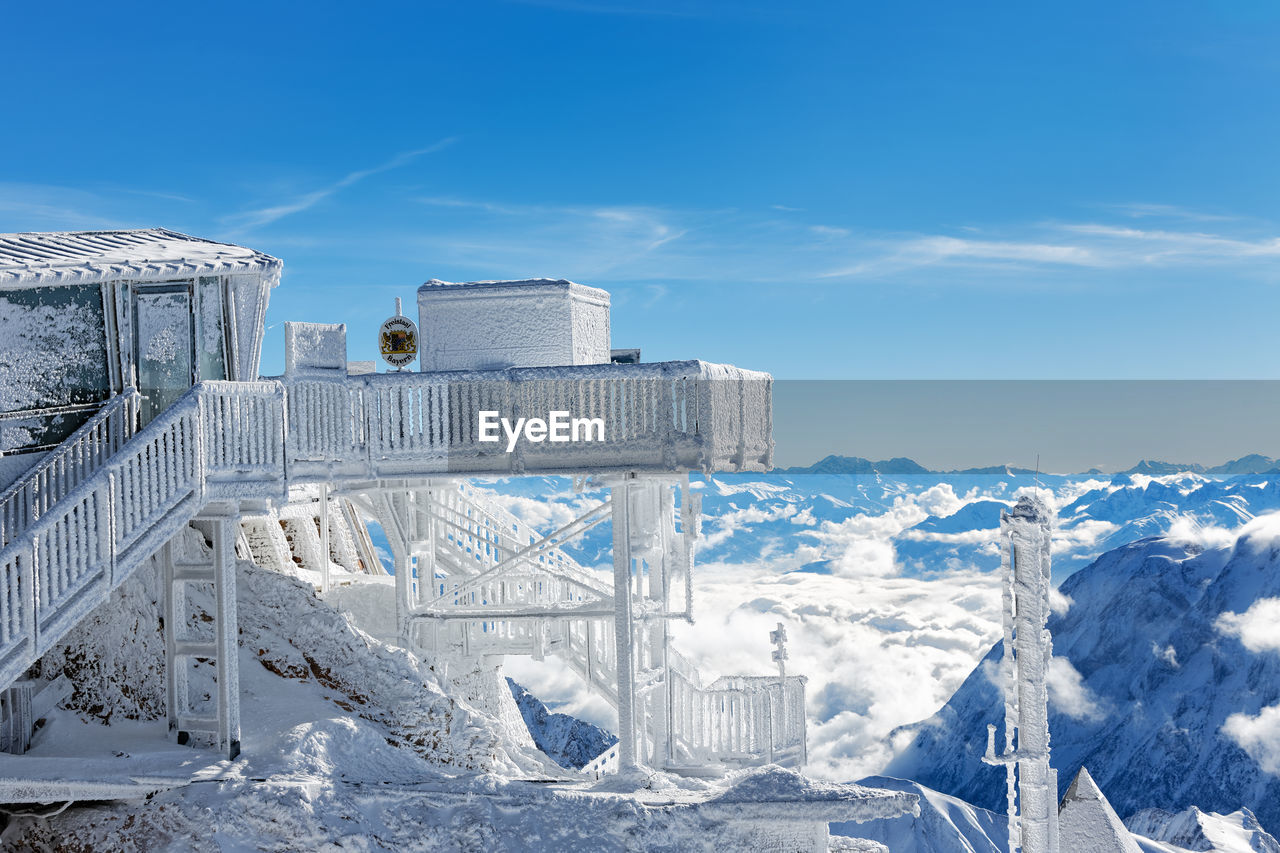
x=1254, y=463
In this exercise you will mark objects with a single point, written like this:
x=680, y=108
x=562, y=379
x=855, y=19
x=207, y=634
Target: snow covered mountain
x=887, y=585
x=568, y=741
x=945, y=824
x=1165, y=683
x=1195, y=830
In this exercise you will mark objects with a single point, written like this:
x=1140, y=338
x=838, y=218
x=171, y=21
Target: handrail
x=220, y=440
x=70, y=463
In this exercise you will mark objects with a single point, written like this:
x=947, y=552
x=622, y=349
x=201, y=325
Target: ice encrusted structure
x=1026, y=533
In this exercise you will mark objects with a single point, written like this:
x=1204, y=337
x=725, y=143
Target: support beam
x=227, y=624
x=623, y=635
x=216, y=571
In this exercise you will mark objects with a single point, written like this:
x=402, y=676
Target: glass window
x=209, y=331
x=53, y=355
x=164, y=354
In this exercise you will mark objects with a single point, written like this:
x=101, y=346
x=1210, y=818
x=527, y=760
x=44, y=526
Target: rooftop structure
x=539, y=322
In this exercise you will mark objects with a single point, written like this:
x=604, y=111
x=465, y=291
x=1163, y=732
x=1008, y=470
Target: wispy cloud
x=1093, y=245
x=644, y=243
x=33, y=207
x=241, y=222
x=529, y=239
x=1139, y=210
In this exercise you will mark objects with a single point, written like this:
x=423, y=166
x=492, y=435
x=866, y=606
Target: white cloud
x=726, y=525
x=1168, y=654
x=1059, y=602
x=1068, y=692
x=266, y=215
x=1187, y=530
x=1142, y=210
x=879, y=652
x=1258, y=736
x=1258, y=627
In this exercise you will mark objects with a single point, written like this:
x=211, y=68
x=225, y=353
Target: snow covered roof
x=435, y=285
x=148, y=254
x=1088, y=824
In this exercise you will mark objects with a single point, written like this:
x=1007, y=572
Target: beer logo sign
x=398, y=341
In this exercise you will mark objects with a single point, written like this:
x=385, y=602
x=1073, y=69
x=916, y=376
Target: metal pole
x=622, y=625
x=324, y=537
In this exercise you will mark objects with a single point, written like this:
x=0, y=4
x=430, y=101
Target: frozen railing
x=684, y=415
x=488, y=548
x=746, y=719
x=221, y=440
x=108, y=497
x=68, y=465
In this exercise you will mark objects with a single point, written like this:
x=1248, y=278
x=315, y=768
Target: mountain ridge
x=1253, y=463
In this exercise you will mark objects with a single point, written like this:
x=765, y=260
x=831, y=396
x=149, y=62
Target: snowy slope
x=1192, y=829
x=945, y=824
x=1145, y=678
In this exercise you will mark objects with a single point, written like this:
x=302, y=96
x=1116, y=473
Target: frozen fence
x=749, y=719
x=221, y=440
x=82, y=453
x=670, y=416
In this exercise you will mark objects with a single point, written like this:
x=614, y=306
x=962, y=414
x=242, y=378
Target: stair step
x=192, y=573
x=198, y=724
x=198, y=650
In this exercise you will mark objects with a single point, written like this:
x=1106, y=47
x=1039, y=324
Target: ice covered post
x=1026, y=535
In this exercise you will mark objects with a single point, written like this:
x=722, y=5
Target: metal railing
x=686, y=415
x=221, y=440
x=69, y=464
x=102, y=502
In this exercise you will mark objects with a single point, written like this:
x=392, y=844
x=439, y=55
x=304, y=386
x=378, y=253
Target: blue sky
x=843, y=190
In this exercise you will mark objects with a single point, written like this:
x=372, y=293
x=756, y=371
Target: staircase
x=510, y=591
x=109, y=497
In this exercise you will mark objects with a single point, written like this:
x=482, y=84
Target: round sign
x=398, y=341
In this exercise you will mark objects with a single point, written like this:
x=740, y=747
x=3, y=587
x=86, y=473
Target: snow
x=1158, y=737
x=1193, y=829
x=1088, y=824
x=528, y=323
x=152, y=254
x=348, y=742
x=944, y=824
x=568, y=741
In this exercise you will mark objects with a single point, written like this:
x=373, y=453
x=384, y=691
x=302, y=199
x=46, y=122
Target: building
x=86, y=315
x=137, y=429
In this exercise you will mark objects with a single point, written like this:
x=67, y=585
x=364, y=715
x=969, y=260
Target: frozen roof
x=1088, y=824
x=147, y=254
x=435, y=285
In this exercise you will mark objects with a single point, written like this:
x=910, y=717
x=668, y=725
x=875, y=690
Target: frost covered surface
x=52, y=354
x=943, y=824
x=151, y=254
x=1088, y=824
x=114, y=658
x=528, y=323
